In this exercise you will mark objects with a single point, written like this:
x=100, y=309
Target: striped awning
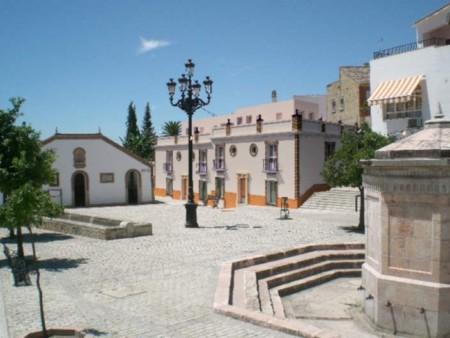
x=393, y=91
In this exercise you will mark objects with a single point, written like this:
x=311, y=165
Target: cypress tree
x=132, y=137
x=148, y=136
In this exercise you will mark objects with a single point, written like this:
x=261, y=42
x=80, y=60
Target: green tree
x=23, y=166
x=148, y=136
x=171, y=128
x=343, y=168
x=133, y=136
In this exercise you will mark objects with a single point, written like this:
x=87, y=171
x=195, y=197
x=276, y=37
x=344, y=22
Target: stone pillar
x=228, y=128
x=297, y=119
x=259, y=122
x=196, y=134
x=406, y=274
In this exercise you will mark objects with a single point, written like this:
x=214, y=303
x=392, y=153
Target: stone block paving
x=161, y=285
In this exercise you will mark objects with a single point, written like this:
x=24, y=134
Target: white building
x=410, y=81
x=94, y=170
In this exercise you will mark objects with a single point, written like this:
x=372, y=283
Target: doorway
x=79, y=188
x=184, y=187
x=271, y=192
x=132, y=180
x=203, y=191
x=242, y=188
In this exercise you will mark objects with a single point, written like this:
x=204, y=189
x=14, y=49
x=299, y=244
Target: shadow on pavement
x=94, y=332
x=352, y=229
x=60, y=264
x=39, y=238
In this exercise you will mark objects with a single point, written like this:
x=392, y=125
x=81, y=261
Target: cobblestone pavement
x=161, y=285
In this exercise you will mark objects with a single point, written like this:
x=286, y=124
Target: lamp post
x=190, y=101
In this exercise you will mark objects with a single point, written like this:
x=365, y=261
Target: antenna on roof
x=56, y=130
x=99, y=130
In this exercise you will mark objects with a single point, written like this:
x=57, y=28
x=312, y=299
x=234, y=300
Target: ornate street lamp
x=190, y=102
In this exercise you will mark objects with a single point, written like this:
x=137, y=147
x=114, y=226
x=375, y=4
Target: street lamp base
x=191, y=215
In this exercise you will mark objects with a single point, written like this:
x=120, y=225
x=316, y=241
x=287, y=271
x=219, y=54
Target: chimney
x=228, y=128
x=259, y=122
x=274, y=95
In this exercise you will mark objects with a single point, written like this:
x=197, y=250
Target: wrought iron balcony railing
x=168, y=167
x=202, y=168
x=408, y=47
x=219, y=164
x=270, y=165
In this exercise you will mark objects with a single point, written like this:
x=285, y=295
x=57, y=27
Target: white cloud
x=149, y=45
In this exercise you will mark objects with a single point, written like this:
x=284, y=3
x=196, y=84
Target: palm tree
x=171, y=128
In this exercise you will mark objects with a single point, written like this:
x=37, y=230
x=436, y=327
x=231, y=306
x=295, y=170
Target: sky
x=79, y=63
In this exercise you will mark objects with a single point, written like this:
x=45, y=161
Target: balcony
x=408, y=47
x=202, y=168
x=219, y=164
x=270, y=165
x=168, y=167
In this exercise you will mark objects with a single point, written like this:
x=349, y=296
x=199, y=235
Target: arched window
x=79, y=158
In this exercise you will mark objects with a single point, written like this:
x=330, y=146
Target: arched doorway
x=133, y=186
x=80, y=189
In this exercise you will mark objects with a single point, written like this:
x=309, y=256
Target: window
x=248, y=119
x=219, y=161
x=330, y=148
x=233, y=150
x=79, y=158
x=106, y=177
x=55, y=180
x=342, y=107
x=178, y=156
x=272, y=150
x=203, y=190
x=279, y=116
x=253, y=149
x=271, y=192
x=400, y=110
x=220, y=187
x=333, y=106
x=169, y=186
x=239, y=120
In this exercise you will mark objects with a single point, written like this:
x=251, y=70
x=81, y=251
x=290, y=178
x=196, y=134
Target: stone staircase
x=336, y=199
x=252, y=289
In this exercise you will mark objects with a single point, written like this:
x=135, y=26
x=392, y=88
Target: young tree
x=171, y=128
x=132, y=137
x=148, y=136
x=22, y=163
x=343, y=168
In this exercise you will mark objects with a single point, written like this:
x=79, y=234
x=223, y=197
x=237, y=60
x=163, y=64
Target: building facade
x=411, y=82
x=347, y=97
x=311, y=107
x=93, y=170
x=257, y=163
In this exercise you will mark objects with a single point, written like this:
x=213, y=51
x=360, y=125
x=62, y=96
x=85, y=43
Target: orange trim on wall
x=160, y=192
x=256, y=200
x=176, y=195
x=229, y=200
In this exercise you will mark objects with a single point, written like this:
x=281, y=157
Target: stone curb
x=224, y=291
x=4, y=332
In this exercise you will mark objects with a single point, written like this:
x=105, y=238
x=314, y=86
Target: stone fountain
x=406, y=275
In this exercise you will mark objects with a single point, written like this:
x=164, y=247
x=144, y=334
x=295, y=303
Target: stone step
x=90, y=219
x=245, y=292
x=264, y=285
x=287, y=289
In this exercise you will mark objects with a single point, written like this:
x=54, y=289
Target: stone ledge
x=114, y=230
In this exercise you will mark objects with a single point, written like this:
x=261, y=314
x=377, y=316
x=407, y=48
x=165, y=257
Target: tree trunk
x=38, y=285
x=12, y=235
x=361, y=225
x=20, y=252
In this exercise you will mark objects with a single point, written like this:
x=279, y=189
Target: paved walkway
x=162, y=285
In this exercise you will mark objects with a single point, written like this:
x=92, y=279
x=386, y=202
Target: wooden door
x=242, y=189
x=184, y=188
